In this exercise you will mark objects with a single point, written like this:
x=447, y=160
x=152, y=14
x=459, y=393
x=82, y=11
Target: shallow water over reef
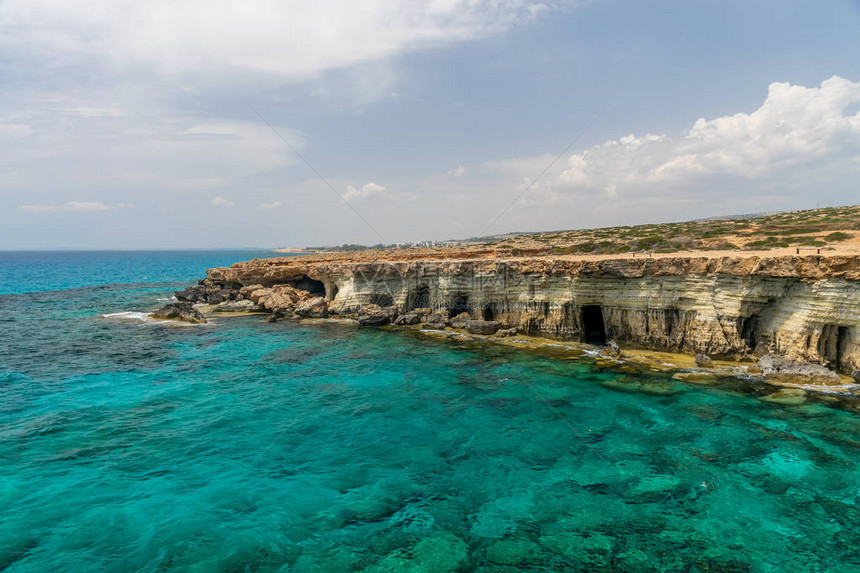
x=247, y=446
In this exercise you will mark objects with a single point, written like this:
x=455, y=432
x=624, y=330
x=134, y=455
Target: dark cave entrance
x=459, y=306
x=488, y=313
x=314, y=287
x=593, y=327
x=750, y=328
x=841, y=345
x=421, y=298
x=382, y=299
x=833, y=344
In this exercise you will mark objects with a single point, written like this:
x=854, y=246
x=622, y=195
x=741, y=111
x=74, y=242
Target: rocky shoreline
x=798, y=317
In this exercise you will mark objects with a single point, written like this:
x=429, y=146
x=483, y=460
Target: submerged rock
x=182, y=310
x=375, y=315
x=513, y=551
x=704, y=361
x=696, y=377
x=237, y=306
x=777, y=369
x=786, y=396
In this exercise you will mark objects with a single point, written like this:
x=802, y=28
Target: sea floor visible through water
x=240, y=445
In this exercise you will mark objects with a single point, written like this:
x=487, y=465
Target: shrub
x=837, y=236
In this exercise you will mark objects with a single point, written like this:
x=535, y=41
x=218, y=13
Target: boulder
x=313, y=308
x=222, y=295
x=279, y=297
x=704, y=361
x=236, y=306
x=409, y=318
x=461, y=320
x=435, y=321
x=196, y=293
x=246, y=291
x=611, y=350
x=777, y=369
x=856, y=376
x=483, y=326
x=506, y=332
x=182, y=310
x=375, y=315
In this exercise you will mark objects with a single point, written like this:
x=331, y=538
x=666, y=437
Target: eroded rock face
x=800, y=307
x=182, y=310
x=781, y=370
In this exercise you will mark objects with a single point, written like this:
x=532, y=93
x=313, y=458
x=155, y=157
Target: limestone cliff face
x=803, y=307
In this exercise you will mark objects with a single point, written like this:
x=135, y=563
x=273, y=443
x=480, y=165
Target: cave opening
x=421, y=298
x=833, y=344
x=459, y=306
x=593, y=327
x=314, y=287
x=841, y=345
x=332, y=292
x=488, y=313
x=749, y=328
x=382, y=299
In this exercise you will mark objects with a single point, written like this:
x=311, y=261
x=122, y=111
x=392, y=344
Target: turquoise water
x=247, y=446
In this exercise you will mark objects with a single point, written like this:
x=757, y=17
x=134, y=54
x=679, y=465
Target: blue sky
x=134, y=125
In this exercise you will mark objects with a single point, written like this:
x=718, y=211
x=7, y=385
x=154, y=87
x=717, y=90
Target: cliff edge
x=802, y=307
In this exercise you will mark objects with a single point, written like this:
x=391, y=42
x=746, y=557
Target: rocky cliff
x=800, y=307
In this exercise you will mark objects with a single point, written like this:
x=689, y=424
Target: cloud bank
x=796, y=128
x=74, y=207
x=290, y=38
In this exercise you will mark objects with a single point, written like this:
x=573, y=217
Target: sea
x=128, y=444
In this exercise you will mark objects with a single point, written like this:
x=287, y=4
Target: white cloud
x=794, y=128
x=222, y=202
x=286, y=38
x=272, y=205
x=365, y=192
x=74, y=207
x=458, y=172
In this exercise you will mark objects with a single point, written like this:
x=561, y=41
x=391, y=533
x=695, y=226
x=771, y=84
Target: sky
x=192, y=124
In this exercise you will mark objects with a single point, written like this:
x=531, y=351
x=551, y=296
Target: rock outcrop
x=776, y=369
x=182, y=310
x=804, y=308
x=375, y=315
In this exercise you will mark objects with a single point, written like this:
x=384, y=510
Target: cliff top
x=832, y=231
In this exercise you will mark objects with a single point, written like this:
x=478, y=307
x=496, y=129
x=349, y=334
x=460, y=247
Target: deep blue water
x=247, y=446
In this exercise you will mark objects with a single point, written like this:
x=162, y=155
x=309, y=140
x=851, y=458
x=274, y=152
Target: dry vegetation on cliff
x=819, y=228
x=832, y=230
